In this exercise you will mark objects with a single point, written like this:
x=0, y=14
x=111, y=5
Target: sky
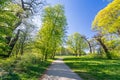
x=80, y=14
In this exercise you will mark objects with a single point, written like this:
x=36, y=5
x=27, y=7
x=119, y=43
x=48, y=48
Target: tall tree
x=53, y=30
x=99, y=37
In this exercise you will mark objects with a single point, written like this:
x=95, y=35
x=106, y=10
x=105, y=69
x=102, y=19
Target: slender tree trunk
x=22, y=3
x=118, y=32
x=88, y=44
x=13, y=42
x=23, y=43
x=21, y=50
x=46, y=56
x=53, y=55
x=80, y=52
x=90, y=47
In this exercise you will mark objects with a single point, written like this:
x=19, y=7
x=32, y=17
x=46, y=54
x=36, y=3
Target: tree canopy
x=53, y=30
x=108, y=19
x=76, y=44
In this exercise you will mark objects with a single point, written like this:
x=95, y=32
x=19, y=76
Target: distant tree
x=76, y=43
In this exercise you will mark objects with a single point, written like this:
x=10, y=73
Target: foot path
x=60, y=71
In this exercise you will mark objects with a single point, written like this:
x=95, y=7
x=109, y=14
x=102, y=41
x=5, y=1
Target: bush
x=26, y=67
x=96, y=55
x=115, y=54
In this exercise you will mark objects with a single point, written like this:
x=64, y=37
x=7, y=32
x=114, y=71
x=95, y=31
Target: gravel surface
x=60, y=71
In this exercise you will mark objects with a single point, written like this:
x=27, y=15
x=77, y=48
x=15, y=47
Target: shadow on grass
x=28, y=72
x=11, y=76
x=33, y=72
x=95, y=69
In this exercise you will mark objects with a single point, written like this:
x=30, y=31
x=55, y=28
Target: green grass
x=23, y=68
x=94, y=69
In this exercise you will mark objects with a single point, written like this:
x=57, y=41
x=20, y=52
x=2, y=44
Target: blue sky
x=80, y=14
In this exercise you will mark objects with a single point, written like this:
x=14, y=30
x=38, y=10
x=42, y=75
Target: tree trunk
x=88, y=44
x=105, y=49
x=21, y=50
x=118, y=32
x=46, y=55
x=13, y=42
x=53, y=55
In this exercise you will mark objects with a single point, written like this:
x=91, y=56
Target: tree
x=12, y=15
x=76, y=43
x=98, y=37
x=8, y=22
x=108, y=19
x=52, y=31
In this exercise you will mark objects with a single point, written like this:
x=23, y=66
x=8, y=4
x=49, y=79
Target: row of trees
x=18, y=33
x=14, y=25
x=16, y=29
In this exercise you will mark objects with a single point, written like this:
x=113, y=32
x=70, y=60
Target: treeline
x=19, y=35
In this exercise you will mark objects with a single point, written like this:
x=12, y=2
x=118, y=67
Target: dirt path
x=60, y=71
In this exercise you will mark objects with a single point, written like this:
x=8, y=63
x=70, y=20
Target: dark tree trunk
x=88, y=44
x=3, y=55
x=46, y=55
x=118, y=32
x=104, y=48
x=23, y=42
x=21, y=50
x=13, y=42
x=53, y=55
x=22, y=3
x=8, y=38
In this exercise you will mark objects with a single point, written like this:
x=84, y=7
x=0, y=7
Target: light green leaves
x=107, y=20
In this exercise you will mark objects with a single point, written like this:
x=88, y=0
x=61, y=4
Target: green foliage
x=112, y=42
x=97, y=55
x=2, y=2
x=28, y=66
x=53, y=30
x=107, y=22
x=76, y=44
x=108, y=19
x=8, y=21
x=115, y=54
x=94, y=69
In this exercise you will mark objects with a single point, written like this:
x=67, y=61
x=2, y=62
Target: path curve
x=60, y=71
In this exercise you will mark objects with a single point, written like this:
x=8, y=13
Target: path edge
x=43, y=74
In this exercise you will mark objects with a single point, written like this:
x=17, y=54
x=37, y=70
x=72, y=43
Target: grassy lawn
x=25, y=68
x=94, y=69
